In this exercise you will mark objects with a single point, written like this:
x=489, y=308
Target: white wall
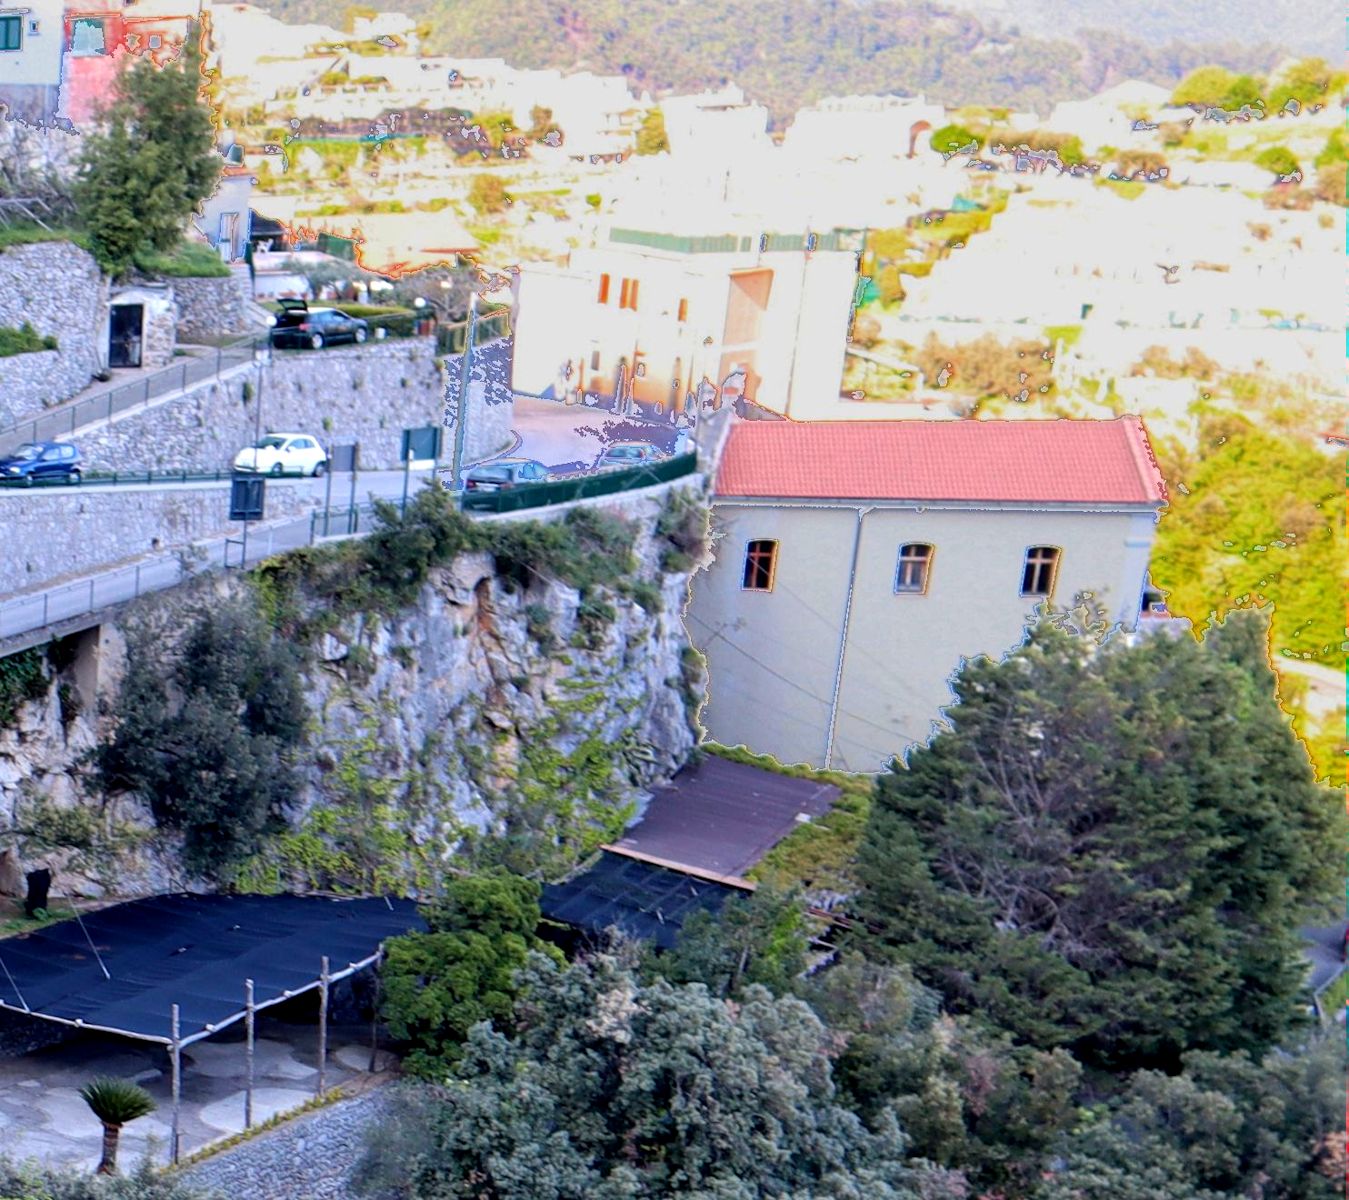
x=37, y=62
x=902, y=649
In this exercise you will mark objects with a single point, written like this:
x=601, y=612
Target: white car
x=284, y=454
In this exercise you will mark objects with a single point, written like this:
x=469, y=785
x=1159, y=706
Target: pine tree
x=1110, y=849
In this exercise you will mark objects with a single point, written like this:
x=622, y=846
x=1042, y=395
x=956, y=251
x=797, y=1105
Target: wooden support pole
x=323, y=1026
x=249, y=1016
x=176, y=1067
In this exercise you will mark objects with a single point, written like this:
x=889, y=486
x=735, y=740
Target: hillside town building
x=857, y=564
x=651, y=316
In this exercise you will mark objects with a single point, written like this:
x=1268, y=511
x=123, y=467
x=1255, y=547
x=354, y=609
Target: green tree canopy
x=151, y=162
x=1209, y=86
x=1111, y=847
x=615, y=1091
x=1308, y=81
x=950, y=139
x=1225, y=1127
x=1278, y=159
x=1256, y=522
x=651, y=133
x=439, y=984
x=756, y=940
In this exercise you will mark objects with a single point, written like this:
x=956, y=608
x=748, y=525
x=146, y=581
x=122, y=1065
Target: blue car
x=41, y=462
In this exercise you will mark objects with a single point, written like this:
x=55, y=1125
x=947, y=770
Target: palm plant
x=115, y=1102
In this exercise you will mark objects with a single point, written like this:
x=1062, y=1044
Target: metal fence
x=450, y=338
x=63, y=422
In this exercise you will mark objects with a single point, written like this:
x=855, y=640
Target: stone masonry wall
x=52, y=533
x=27, y=381
x=368, y=394
x=211, y=307
x=58, y=289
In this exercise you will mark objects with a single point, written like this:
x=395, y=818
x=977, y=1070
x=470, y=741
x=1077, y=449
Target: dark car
x=500, y=475
x=37, y=462
x=628, y=454
x=299, y=325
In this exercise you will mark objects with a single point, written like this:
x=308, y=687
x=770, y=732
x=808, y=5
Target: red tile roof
x=1103, y=462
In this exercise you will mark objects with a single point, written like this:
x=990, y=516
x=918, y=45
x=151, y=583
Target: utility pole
x=263, y=362
x=461, y=415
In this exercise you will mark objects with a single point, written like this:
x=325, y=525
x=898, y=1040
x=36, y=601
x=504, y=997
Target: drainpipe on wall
x=843, y=640
x=796, y=338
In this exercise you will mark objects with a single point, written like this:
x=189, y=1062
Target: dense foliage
x=209, y=737
x=149, y=164
x=1110, y=849
x=830, y=47
x=1256, y=517
x=612, y=1089
x=31, y=1182
x=23, y=679
x=439, y=984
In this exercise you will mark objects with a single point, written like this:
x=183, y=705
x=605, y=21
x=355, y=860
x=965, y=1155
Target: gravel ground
x=309, y=1158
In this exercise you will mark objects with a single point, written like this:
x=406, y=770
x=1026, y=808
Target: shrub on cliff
x=208, y=737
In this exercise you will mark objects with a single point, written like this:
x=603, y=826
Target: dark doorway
x=124, y=335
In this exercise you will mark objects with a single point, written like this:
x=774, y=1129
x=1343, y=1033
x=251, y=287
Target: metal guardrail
x=62, y=422
x=605, y=483
x=123, y=479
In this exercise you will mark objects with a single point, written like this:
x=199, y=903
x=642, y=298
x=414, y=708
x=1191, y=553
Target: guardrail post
x=45, y=597
x=145, y=383
x=183, y=385
x=91, y=595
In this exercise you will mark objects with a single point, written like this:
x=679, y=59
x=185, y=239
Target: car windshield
x=27, y=452
x=493, y=473
x=624, y=452
x=270, y=443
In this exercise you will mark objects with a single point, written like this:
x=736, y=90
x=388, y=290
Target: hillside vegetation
x=832, y=47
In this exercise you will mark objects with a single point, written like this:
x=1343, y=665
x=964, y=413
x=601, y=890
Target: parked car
x=299, y=325
x=499, y=475
x=628, y=454
x=35, y=462
x=283, y=454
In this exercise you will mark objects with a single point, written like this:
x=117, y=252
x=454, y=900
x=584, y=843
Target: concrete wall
x=211, y=307
x=901, y=648
x=491, y=402
x=54, y=533
x=58, y=289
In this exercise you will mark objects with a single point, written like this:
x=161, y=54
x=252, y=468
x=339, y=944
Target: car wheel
x=27, y=481
x=318, y=470
x=316, y=341
x=75, y=476
x=360, y=335
x=277, y=470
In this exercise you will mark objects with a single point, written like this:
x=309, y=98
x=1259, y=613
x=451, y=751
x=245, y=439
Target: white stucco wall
x=38, y=59
x=773, y=656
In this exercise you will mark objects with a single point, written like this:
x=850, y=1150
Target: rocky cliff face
x=482, y=707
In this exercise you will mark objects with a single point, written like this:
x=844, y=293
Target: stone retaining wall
x=211, y=307
x=50, y=533
x=368, y=394
x=58, y=289
x=28, y=381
